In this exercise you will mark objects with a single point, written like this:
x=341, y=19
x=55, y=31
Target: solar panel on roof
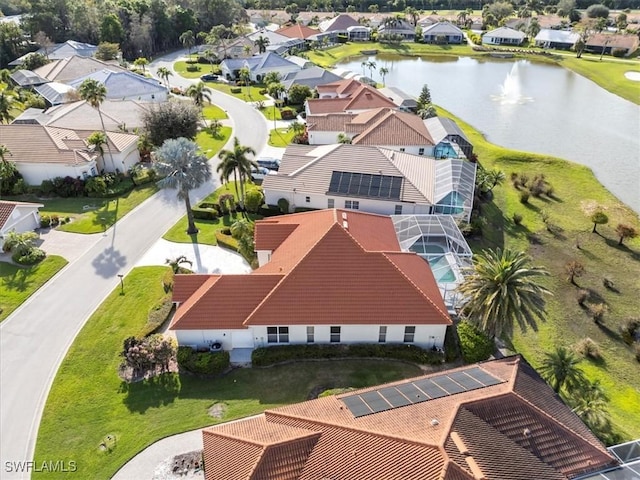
x=410, y=391
x=430, y=388
x=469, y=383
x=357, y=406
x=394, y=397
x=375, y=402
x=365, y=185
x=448, y=385
x=483, y=377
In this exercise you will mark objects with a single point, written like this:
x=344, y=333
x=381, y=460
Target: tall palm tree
x=383, y=73
x=164, y=73
x=188, y=40
x=183, y=168
x=6, y=104
x=245, y=77
x=141, y=62
x=371, y=65
x=199, y=92
x=590, y=404
x=560, y=369
x=503, y=289
x=98, y=140
x=237, y=163
x=94, y=93
x=262, y=43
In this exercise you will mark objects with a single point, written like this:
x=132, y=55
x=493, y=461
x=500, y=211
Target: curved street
x=36, y=337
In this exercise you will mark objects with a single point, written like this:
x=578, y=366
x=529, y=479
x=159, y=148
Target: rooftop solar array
x=418, y=391
x=365, y=185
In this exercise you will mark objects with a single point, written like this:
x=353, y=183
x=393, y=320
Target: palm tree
x=237, y=163
x=94, y=93
x=97, y=140
x=175, y=263
x=164, y=73
x=383, y=73
x=590, y=404
x=298, y=129
x=371, y=66
x=4, y=152
x=188, y=40
x=183, y=168
x=560, y=369
x=6, y=104
x=247, y=50
x=240, y=228
x=141, y=62
x=503, y=289
x=245, y=76
x=199, y=92
x=262, y=43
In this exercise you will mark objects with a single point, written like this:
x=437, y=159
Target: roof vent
x=435, y=422
x=345, y=225
x=344, y=215
x=526, y=432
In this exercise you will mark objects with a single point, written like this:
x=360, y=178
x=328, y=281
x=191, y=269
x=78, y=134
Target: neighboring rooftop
x=67, y=69
x=61, y=50
x=27, y=78
x=496, y=420
x=123, y=84
x=338, y=24
x=7, y=208
x=298, y=31
x=351, y=96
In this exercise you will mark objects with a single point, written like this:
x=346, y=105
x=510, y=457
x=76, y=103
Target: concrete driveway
x=58, y=310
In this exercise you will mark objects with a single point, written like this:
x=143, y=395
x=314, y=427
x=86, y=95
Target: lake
x=533, y=107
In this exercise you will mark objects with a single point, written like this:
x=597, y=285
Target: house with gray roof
x=127, y=86
x=278, y=43
x=443, y=33
x=339, y=24
x=258, y=66
x=450, y=141
x=311, y=77
x=503, y=36
x=403, y=100
x=55, y=93
x=61, y=50
x=27, y=78
x=560, y=39
x=66, y=70
x=371, y=179
x=398, y=28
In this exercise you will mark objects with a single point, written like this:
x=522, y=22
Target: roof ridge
x=428, y=198
x=186, y=307
x=386, y=255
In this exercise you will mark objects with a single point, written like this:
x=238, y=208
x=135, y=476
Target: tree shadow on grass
x=635, y=255
x=611, y=334
x=19, y=281
x=154, y=392
x=106, y=217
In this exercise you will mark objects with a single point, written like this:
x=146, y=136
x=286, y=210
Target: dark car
x=269, y=163
x=209, y=77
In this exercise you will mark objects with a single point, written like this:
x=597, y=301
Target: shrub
x=636, y=349
x=597, y=311
x=588, y=348
x=55, y=220
x=582, y=296
x=281, y=353
x=226, y=241
x=283, y=204
x=618, y=52
x=45, y=221
x=236, y=89
x=46, y=187
x=517, y=218
x=474, y=344
x=269, y=211
x=287, y=114
x=630, y=330
x=157, y=316
x=523, y=179
x=203, y=363
x=96, y=186
x=524, y=197
x=204, y=214
x=19, y=187
x=31, y=257
x=193, y=68
x=451, y=345
x=167, y=281
x=549, y=191
x=608, y=283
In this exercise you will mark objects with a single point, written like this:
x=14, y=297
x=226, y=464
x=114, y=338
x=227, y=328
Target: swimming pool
x=435, y=254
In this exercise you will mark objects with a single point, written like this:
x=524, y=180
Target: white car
x=259, y=173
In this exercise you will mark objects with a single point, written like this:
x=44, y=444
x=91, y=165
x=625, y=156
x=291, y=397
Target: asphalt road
x=36, y=337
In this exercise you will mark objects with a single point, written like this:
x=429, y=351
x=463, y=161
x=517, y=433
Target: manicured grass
x=566, y=322
x=88, y=401
x=208, y=229
x=280, y=137
x=252, y=95
x=214, y=112
x=271, y=112
x=180, y=68
x=212, y=144
x=19, y=283
x=103, y=211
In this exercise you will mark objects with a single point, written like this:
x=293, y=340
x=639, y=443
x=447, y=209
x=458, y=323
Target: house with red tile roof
x=328, y=276
x=18, y=217
x=298, y=31
x=346, y=96
x=496, y=420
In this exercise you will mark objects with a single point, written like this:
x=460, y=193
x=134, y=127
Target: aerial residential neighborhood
x=319, y=240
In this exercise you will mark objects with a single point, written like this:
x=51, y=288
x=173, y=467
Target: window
x=382, y=336
x=307, y=199
x=398, y=210
x=277, y=334
x=331, y=203
x=409, y=334
x=352, y=204
x=421, y=151
x=310, y=334
x=335, y=335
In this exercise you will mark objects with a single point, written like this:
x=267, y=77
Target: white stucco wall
x=318, y=137
x=35, y=173
x=317, y=201
x=24, y=218
x=202, y=338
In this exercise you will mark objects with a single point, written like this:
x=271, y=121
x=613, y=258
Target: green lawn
x=88, y=401
x=19, y=283
x=566, y=322
x=180, y=68
x=252, y=94
x=214, y=112
x=281, y=137
x=208, y=229
x=271, y=112
x=101, y=211
x=212, y=144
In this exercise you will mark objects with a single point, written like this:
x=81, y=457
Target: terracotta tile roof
x=340, y=87
x=38, y=144
x=626, y=42
x=222, y=301
x=354, y=96
x=392, y=127
x=478, y=434
x=325, y=265
x=298, y=31
x=332, y=122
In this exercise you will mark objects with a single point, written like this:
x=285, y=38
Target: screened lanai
x=438, y=240
x=454, y=186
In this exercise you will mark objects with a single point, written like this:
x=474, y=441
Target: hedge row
x=474, y=344
x=203, y=363
x=281, y=353
x=157, y=315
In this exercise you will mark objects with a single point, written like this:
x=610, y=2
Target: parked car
x=259, y=173
x=209, y=77
x=269, y=163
